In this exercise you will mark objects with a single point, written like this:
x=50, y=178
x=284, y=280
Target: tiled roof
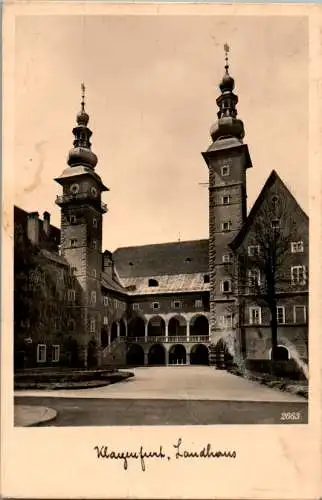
x=163, y=259
x=173, y=283
x=54, y=257
x=112, y=284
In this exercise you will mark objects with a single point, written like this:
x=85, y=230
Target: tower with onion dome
x=227, y=159
x=82, y=212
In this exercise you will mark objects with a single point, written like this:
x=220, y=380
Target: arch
x=122, y=328
x=282, y=353
x=156, y=327
x=104, y=337
x=177, y=355
x=223, y=357
x=136, y=327
x=156, y=355
x=177, y=326
x=113, y=331
x=135, y=355
x=199, y=355
x=199, y=325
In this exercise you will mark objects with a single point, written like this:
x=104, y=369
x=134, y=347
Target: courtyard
x=173, y=395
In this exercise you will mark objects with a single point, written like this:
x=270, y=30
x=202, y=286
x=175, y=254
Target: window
x=71, y=295
x=94, y=243
x=94, y=222
x=225, y=170
x=72, y=325
x=298, y=275
x=93, y=325
x=73, y=242
x=153, y=282
x=253, y=250
x=41, y=353
x=280, y=314
x=226, y=321
x=56, y=353
x=94, y=273
x=297, y=247
x=176, y=304
x=198, y=303
x=136, y=307
x=72, y=219
x=206, y=278
x=226, y=286
x=226, y=199
x=105, y=320
x=105, y=301
x=227, y=257
x=73, y=270
x=155, y=305
x=254, y=277
x=255, y=315
x=226, y=226
x=188, y=260
x=299, y=313
x=93, y=297
x=275, y=224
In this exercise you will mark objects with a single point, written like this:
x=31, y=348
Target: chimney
x=33, y=227
x=108, y=264
x=46, y=223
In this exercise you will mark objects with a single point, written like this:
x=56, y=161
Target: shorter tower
x=227, y=159
x=82, y=212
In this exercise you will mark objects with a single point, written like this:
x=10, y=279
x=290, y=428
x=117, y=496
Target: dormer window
x=206, y=278
x=153, y=282
x=188, y=260
x=225, y=170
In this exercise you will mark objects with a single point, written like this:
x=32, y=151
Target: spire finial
x=83, y=96
x=226, y=49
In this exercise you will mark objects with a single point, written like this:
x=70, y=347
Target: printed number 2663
x=292, y=415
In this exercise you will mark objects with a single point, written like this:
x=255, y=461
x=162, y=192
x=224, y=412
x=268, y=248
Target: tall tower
x=81, y=234
x=227, y=159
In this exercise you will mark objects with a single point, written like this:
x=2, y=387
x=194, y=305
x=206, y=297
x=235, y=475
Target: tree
x=264, y=259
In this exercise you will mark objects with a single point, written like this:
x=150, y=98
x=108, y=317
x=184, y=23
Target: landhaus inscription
x=177, y=452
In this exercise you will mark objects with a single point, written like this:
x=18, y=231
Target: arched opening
x=113, y=331
x=156, y=355
x=177, y=327
x=223, y=358
x=92, y=354
x=281, y=353
x=122, y=328
x=177, y=355
x=153, y=282
x=136, y=327
x=199, y=325
x=104, y=337
x=156, y=327
x=199, y=355
x=135, y=355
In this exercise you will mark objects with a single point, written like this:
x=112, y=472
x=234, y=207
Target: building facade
x=171, y=303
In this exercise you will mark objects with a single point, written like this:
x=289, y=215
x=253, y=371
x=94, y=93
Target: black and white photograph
x=161, y=276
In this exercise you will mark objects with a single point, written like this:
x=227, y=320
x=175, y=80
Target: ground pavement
x=170, y=395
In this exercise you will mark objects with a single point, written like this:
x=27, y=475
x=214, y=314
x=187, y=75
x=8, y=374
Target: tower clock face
x=93, y=191
x=74, y=188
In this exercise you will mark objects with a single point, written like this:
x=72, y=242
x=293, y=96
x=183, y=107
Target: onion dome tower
x=227, y=159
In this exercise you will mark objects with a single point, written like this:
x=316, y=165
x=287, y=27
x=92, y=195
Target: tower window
x=226, y=199
x=153, y=282
x=94, y=222
x=73, y=243
x=225, y=170
x=226, y=226
x=226, y=286
x=227, y=257
x=206, y=278
x=94, y=244
x=72, y=219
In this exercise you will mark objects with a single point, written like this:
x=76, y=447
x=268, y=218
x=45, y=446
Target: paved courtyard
x=180, y=395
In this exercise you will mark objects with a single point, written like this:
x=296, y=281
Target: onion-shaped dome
x=82, y=156
x=82, y=118
x=227, y=83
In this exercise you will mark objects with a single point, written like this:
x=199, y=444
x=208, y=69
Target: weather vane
x=226, y=49
x=83, y=95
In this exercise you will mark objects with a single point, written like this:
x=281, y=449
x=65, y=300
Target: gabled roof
x=50, y=241
x=181, y=257
x=272, y=179
x=112, y=285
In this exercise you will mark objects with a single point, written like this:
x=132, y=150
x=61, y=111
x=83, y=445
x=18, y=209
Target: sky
x=151, y=87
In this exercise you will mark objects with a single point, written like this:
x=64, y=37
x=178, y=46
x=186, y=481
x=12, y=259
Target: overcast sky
x=152, y=83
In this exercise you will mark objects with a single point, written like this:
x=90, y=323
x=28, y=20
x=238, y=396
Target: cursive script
x=141, y=455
